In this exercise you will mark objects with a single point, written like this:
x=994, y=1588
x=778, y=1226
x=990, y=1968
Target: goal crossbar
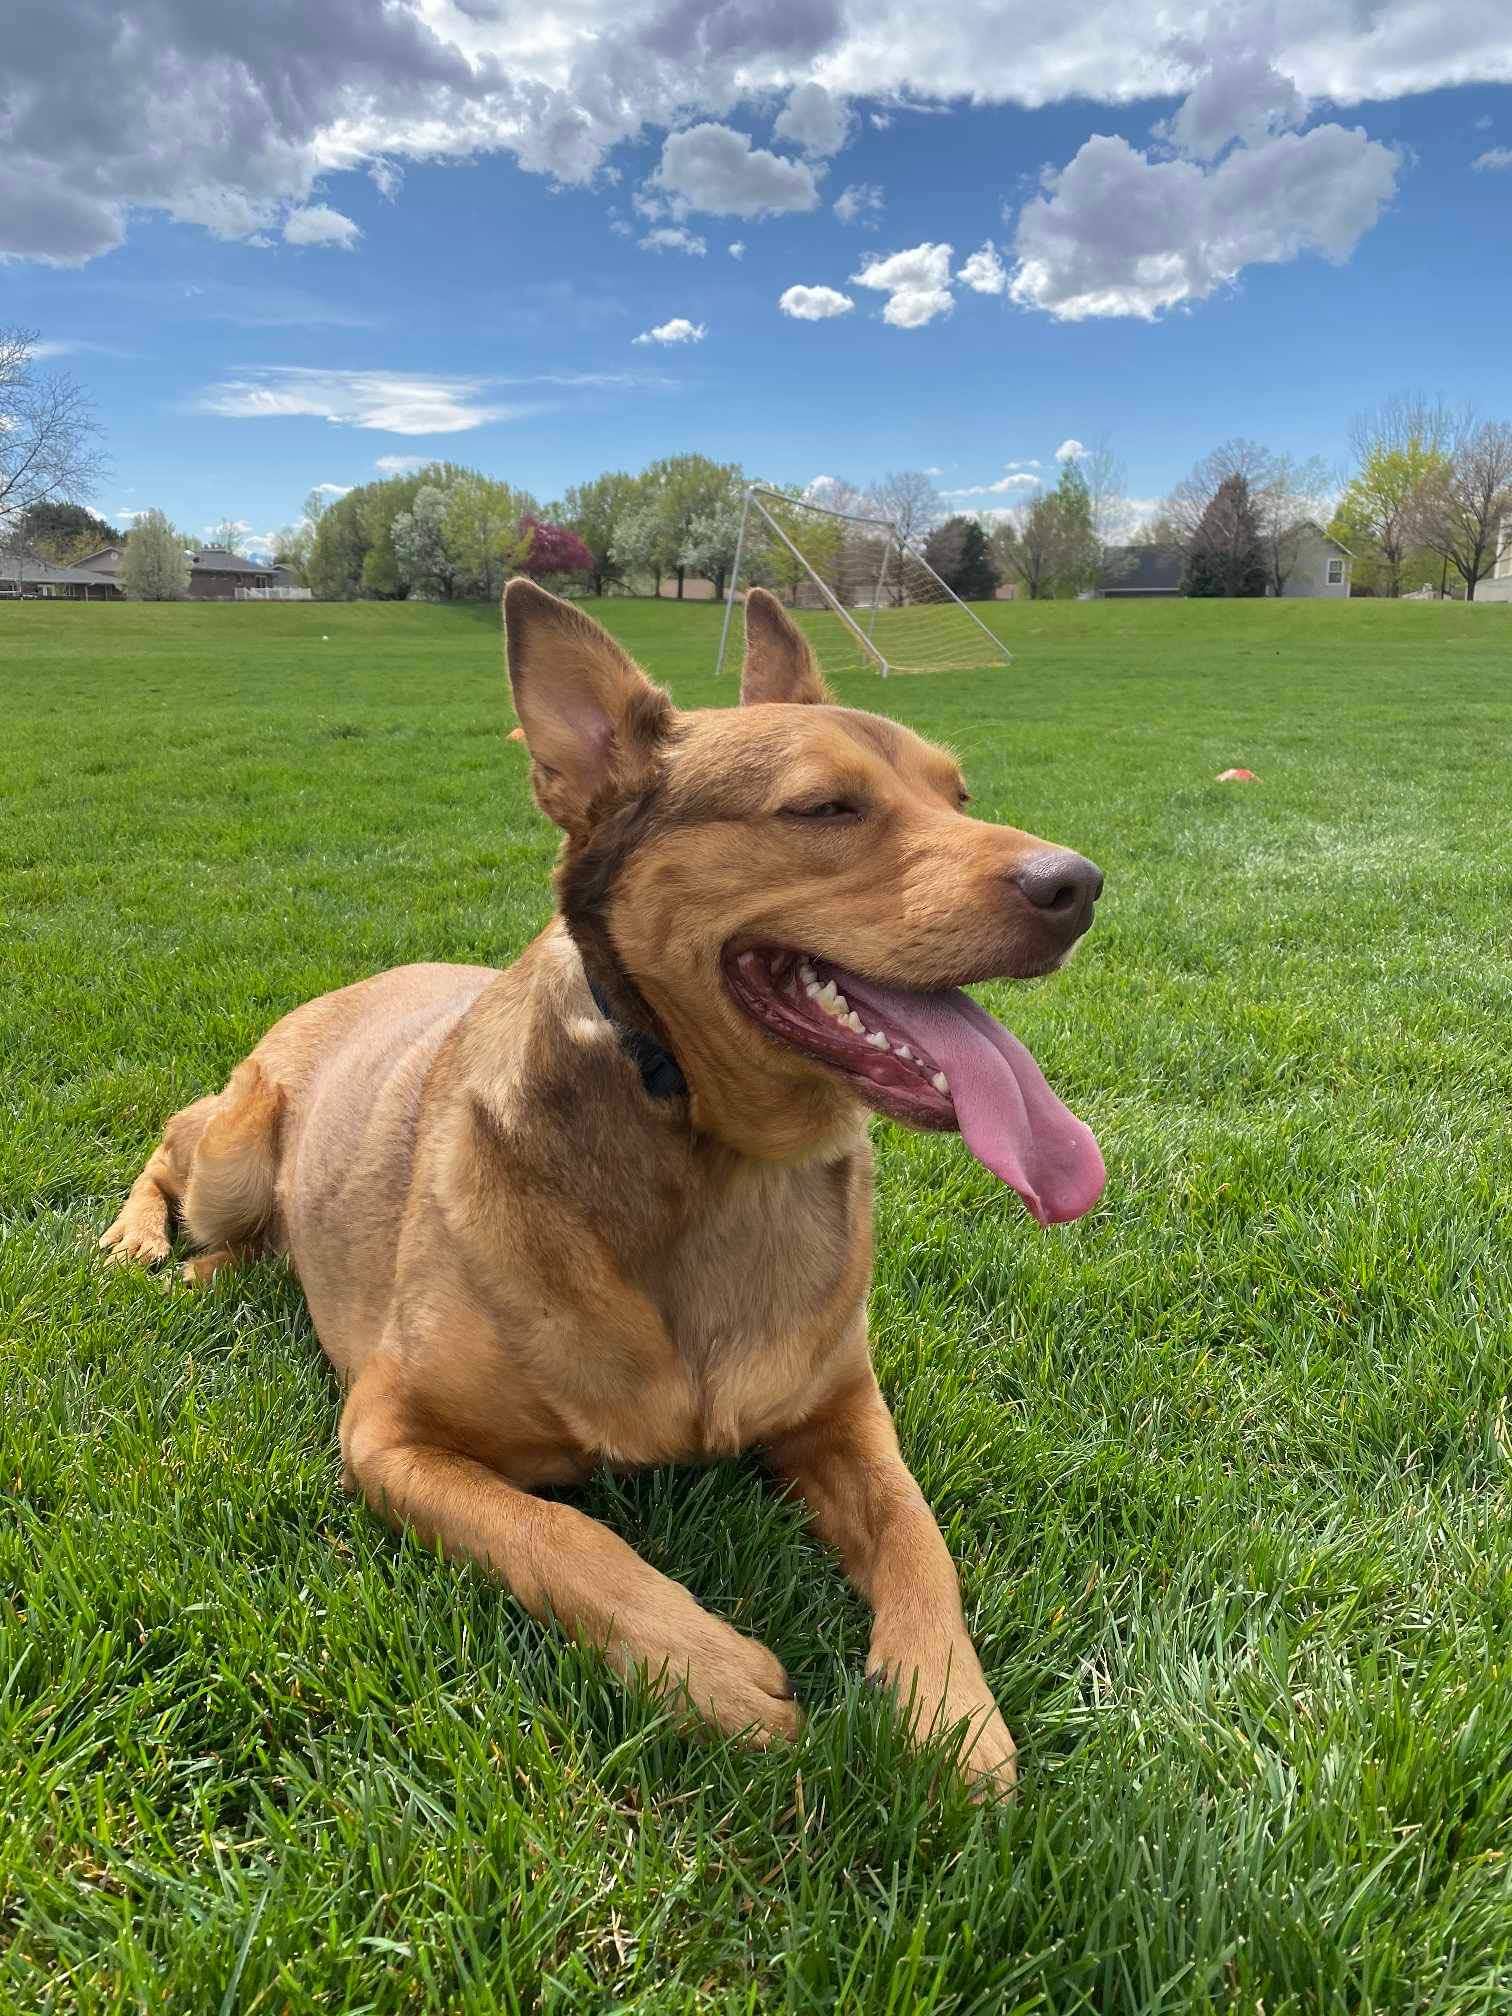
x=890, y=541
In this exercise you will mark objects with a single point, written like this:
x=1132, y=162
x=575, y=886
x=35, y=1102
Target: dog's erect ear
x=591, y=717
x=778, y=662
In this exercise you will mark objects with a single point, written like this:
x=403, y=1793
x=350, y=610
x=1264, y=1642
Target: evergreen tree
x=1225, y=557
x=977, y=578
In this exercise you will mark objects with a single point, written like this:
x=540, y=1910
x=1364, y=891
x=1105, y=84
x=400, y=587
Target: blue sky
x=290, y=267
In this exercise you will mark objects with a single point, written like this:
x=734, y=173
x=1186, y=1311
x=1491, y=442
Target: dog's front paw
x=730, y=1680
x=941, y=1694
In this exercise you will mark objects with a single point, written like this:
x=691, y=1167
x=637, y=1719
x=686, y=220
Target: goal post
x=866, y=597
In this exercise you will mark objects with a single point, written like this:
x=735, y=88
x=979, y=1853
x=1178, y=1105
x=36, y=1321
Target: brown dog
x=612, y=1204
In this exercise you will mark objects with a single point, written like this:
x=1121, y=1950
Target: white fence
x=274, y=595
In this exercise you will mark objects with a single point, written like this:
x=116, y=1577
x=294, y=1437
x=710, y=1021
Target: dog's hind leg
x=141, y=1232
x=215, y=1167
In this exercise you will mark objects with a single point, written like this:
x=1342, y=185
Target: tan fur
x=523, y=1266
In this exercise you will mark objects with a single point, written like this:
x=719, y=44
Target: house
x=1322, y=565
x=1320, y=568
x=38, y=580
x=1141, y=571
x=1497, y=586
x=215, y=574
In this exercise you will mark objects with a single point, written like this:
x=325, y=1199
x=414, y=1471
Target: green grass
x=1225, y=1466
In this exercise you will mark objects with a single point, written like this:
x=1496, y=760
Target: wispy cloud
x=75, y=346
x=319, y=224
x=392, y=402
x=674, y=238
x=1493, y=158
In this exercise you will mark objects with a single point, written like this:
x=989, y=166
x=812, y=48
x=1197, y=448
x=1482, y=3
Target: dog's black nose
x=1062, y=885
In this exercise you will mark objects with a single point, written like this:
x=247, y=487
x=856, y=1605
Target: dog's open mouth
x=929, y=1060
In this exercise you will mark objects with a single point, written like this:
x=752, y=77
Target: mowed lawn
x=1226, y=1466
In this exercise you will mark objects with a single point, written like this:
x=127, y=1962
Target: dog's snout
x=1062, y=886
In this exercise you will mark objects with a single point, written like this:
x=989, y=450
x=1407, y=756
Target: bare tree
x=1396, y=447
x=1192, y=499
x=1293, y=497
x=1458, y=508
x=909, y=499
x=49, y=436
x=228, y=534
x=1027, y=545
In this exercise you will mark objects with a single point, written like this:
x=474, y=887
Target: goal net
x=867, y=599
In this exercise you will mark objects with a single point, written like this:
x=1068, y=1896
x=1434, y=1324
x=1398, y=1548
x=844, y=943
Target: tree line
x=1426, y=502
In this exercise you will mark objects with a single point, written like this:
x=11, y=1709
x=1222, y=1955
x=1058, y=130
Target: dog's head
x=789, y=894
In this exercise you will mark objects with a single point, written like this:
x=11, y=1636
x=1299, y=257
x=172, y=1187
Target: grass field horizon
x=1225, y=1466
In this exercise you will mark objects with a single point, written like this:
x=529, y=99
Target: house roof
x=41, y=573
x=221, y=560
x=1142, y=570
x=1323, y=533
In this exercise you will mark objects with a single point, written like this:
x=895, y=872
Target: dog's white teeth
x=904, y=1051
x=828, y=994
x=812, y=990
x=940, y=1082
x=853, y=1021
x=878, y=1041
x=806, y=973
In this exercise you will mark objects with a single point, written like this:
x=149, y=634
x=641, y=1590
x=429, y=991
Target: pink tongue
x=1009, y=1118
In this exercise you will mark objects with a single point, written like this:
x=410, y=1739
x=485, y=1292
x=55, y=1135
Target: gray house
x=1322, y=565
x=25, y=579
x=1320, y=568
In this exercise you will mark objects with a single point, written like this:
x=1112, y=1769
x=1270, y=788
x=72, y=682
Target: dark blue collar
x=659, y=1070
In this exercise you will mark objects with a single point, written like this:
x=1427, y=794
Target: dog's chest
x=761, y=1288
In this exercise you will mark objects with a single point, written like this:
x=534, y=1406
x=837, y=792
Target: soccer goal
x=865, y=596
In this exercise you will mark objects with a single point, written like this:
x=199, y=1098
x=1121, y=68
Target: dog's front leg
x=560, y=1564
x=845, y=1465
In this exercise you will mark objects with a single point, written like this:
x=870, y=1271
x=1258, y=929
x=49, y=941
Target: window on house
x=1336, y=573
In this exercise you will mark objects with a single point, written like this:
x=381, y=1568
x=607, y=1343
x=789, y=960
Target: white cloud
x=1016, y=479
x=984, y=272
x=73, y=346
x=1070, y=450
x=934, y=470
x=1493, y=158
x=815, y=121
x=814, y=304
x=183, y=111
x=861, y=203
x=674, y=238
x=1117, y=233
x=1024, y=462
x=715, y=169
x=678, y=330
x=341, y=489
x=394, y=402
x=400, y=465
x=737, y=248
x=1238, y=95
x=387, y=177
x=916, y=283
x=880, y=120
x=318, y=224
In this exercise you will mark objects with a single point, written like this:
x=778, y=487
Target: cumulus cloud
x=674, y=238
x=318, y=224
x=861, y=203
x=1070, y=450
x=678, y=330
x=1239, y=95
x=226, y=119
x=814, y=304
x=984, y=272
x=333, y=489
x=400, y=465
x=1117, y=233
x=715, y=169
x=1493, y=158
x=393, y=402
x=737, y=248
x=916, y=283
x=814, y=120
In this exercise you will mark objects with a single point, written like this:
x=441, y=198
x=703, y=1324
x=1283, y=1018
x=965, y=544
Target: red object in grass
x=516, y=735
x=1237, y=777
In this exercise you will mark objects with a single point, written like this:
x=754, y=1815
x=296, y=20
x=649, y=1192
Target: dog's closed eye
x=827, y=808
